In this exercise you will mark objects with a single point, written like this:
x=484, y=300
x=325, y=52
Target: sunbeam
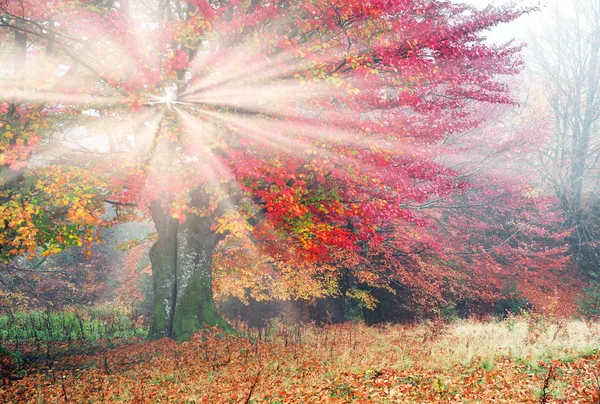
x=10, y=94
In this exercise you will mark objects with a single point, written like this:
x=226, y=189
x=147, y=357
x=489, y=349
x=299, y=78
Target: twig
x=549, y=377
x=64, y=389
x=253, y=387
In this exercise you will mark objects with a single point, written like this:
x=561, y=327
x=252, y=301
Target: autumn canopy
x=337, y=139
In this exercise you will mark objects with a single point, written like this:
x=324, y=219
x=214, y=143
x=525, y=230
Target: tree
x=567, y=59
x=307, y=125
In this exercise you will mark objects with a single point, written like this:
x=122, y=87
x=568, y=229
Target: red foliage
x=325, y=130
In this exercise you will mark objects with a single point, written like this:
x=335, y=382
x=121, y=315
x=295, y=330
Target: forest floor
x=520, y=359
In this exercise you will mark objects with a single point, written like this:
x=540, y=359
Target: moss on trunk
x=182, y=271
x=163, y=257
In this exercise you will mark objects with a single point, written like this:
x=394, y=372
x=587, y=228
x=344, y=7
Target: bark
x=182, y=272
x=194, y=305
x=163, y=257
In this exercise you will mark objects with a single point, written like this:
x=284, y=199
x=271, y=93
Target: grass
x=465, y=361
x=95, y=323
x=30, y=337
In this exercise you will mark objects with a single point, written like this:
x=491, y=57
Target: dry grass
x=525, y=338
x=437, y=345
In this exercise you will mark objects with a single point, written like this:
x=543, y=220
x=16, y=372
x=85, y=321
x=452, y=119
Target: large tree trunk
x=182, y=272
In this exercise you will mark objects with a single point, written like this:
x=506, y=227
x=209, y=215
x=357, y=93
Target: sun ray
x=221, y=176
x=251, y=129
x=273, y=98
x=280, y=132
x=243, y=66
x=55, y=97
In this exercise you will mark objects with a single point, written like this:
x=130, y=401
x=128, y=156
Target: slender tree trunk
x=50, y=43
x=182, y=271
x=124, y=6
x=20, y=50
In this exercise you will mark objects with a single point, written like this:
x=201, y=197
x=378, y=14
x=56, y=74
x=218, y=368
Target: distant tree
x=566, y=57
